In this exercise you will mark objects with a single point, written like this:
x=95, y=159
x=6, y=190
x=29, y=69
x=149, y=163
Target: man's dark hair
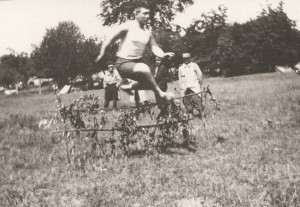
x=139, y=7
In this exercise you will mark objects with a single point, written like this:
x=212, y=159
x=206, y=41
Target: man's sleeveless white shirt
x=135, y=42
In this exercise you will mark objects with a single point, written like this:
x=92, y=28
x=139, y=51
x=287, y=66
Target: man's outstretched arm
x=157, y=51
x=118, y=33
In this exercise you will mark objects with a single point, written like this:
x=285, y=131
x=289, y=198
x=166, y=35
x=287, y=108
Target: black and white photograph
x=149, y=103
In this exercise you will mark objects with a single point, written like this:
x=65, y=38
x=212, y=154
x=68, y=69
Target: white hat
x=186, y=55
x=110, y=66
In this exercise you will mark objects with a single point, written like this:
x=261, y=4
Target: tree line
x=220, y=48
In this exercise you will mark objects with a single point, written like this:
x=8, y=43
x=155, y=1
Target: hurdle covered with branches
x=89, y=132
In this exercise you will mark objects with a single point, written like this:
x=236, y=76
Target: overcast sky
x=23, y=23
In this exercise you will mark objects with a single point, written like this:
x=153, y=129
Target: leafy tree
x=202, y=36
x=276, y=37
x=255, y=46
x=60, y=54
x=15, y=68
x=89, y=49
x=260, y=44
x=7, y=70
x=162, y=12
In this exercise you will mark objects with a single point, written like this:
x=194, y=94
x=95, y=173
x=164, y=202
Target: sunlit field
x=247, y=155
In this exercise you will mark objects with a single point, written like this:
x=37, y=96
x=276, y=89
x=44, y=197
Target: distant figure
x=11, y=92
x=111, y=82
x=98, y=79
x=190, y=80
x=134, y=37
x=161, y=75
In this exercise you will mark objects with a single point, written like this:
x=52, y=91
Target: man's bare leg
x=144, y=80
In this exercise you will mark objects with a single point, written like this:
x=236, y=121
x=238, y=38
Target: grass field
x=248, y=154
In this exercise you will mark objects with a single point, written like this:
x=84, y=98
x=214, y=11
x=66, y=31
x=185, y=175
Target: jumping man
x=134, y=38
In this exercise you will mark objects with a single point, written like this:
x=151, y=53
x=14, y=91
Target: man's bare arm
x=157, y=51
x=118, y=33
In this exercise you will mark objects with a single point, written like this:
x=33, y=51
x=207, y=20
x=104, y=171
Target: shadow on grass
x=169, y=149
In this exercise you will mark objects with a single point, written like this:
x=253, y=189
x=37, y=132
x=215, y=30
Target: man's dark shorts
x=125, y=66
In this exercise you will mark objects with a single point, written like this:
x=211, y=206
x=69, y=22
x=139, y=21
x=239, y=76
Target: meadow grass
x=248, y=154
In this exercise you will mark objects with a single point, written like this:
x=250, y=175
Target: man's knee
x=141, y=68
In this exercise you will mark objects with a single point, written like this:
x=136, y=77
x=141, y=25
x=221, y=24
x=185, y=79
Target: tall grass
x=248, y=155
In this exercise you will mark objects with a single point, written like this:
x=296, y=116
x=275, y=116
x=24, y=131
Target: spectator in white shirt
x=190, y=80
x=111, y=83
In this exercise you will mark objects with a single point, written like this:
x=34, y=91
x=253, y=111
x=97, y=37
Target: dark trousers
x=136, y=98
x=106, y=104
x=111, y=94
x=192, y=102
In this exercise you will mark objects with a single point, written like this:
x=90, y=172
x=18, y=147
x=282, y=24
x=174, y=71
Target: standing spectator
x=161, y=75
x=111, y=83
x=190, y=80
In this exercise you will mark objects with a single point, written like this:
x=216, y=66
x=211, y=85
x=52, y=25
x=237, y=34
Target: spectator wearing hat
x=190, y=80
x=161, y=75
x=111, y=82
